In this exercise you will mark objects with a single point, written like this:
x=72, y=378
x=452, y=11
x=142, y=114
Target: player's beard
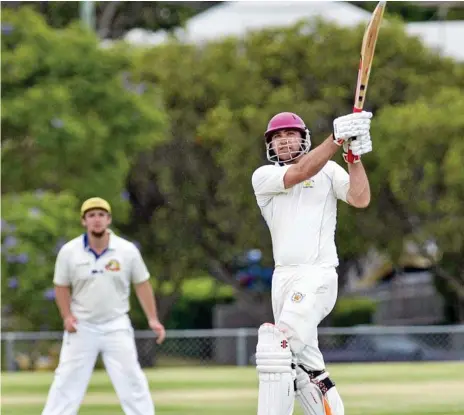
x=98, y=234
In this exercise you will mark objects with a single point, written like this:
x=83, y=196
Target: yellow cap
x=95, y=203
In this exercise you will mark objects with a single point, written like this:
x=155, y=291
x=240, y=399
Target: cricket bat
x=365, y=63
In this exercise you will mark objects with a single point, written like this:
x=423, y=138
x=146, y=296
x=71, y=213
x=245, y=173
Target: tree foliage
x=71, y=117
x=422, y=182
x=34, y=227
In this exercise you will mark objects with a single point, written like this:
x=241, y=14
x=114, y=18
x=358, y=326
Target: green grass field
x=376, y=389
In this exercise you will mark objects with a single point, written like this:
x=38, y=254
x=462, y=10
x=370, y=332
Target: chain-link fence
x=40, y=350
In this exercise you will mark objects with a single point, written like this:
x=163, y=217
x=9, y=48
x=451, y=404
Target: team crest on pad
x=297, y=297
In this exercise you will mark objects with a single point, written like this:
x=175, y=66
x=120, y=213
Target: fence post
x=241, y=348
x=9, y=351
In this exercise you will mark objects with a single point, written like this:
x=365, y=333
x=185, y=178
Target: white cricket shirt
x=301, y=219
x=100, y=284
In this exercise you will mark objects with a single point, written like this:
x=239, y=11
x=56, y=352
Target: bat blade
x=365, y=64
x=367, y=55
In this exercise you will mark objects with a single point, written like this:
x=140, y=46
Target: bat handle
x=350, y=157
x=356, y=109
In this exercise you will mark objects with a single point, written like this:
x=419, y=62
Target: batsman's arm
x=146, y=297
x=351, y=125
x=359, y=193
x=311, y=163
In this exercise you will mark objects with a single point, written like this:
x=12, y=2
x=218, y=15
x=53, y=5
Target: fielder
x=297, y=196
x=93, y=274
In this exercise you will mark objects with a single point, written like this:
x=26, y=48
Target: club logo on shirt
x=297, y=297
x=308, y=183
x=113, y=265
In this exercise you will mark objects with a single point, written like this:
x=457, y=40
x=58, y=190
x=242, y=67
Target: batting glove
x=361, y=145
x=351, y=125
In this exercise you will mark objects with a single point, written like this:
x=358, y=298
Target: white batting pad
x=274, y=366
x=309, y=395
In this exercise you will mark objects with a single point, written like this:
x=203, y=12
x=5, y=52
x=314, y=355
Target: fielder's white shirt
x=100, y=284
x=301, y=219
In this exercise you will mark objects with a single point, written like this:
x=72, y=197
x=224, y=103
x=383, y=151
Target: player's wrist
x=350, y=158
x=338, y=142
x=333, y=140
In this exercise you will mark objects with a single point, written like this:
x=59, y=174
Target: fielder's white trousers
x=79, y=351
x=302, y=296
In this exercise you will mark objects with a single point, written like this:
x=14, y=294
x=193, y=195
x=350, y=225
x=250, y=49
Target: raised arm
x=345, y=127
x=311, y=163
x=359, y=193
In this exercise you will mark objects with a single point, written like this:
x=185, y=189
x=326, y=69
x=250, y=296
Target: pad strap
x=325, y=385
x=323, y=382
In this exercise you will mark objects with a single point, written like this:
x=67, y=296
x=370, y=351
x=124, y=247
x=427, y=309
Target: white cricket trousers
x=302, y=296
x=79, y=351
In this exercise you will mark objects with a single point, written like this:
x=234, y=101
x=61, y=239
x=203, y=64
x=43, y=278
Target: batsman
x=297, y=195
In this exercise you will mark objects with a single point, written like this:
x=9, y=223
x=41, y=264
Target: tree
x=419, y=159
x=194, y=195
x=71, y=116
x=34, y=227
